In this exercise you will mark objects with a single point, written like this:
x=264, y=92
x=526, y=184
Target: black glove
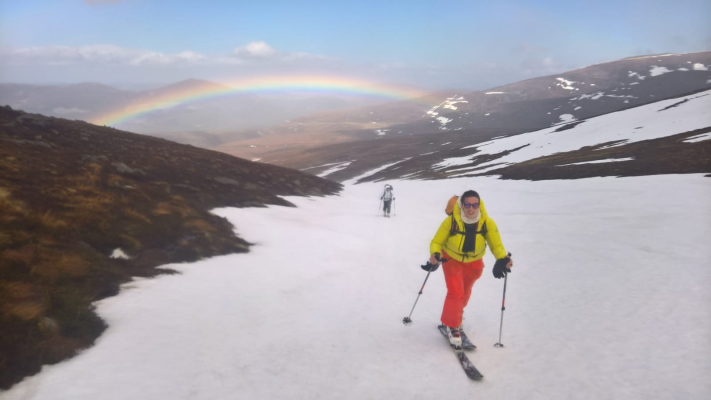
x=430, y=267
x=500, y=269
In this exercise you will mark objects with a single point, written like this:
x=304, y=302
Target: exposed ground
x=72, y=193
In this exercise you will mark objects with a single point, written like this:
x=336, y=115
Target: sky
x=452, y=45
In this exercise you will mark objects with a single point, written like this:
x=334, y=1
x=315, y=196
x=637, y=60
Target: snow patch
x=592, y=96
x=682, y=69
x=453, y=161
x=118, y=253
x=622, y=143
x=443, y=120
x=494, y=92
x=577, y=108
x=256, y=159
x=700, y=67
x=382, y=132
x=448, y=103
x=565, y=84
x=336, y=168
x=607, y=160
x=631, y=74
x=656, y=71
x=353, y=181
x=567, y=118
x=698, y=138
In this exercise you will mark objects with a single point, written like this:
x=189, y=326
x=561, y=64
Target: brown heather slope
x=71, y=193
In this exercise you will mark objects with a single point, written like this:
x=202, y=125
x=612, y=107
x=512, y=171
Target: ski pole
x=394, y=208
x=407, y=320
x=503, y=307
x=379, y=204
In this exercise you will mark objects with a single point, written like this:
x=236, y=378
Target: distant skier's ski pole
x=503, y=307
x=430, y=267
x=394, y=208
x=379, y=204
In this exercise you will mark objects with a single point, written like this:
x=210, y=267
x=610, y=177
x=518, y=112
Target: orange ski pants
x=460, y=278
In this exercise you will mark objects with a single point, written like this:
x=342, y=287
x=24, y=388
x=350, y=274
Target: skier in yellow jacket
x=462, y=239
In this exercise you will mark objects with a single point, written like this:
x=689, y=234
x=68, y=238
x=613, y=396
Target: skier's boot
x=455, y=337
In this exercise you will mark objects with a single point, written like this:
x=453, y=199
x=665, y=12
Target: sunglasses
x=470, y=205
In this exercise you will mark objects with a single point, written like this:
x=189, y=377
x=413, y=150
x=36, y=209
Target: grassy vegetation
x=71, y=193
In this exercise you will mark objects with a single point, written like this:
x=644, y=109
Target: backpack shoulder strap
x=454, y=228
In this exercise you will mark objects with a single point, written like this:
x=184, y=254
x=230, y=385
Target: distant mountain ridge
x=582, y=93
x=506, y=110
x=230, y=113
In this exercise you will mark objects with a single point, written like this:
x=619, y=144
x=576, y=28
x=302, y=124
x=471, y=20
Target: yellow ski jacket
x=452, y=242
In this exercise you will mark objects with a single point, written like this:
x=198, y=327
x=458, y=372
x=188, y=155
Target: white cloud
x=252, y=53
x=255, y=49
x=191, y=56
x=109, y=55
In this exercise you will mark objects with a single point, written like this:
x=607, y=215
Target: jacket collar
x=458, y=209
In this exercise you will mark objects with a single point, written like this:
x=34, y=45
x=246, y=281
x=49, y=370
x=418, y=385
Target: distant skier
x=387, y=199
x=462, y=238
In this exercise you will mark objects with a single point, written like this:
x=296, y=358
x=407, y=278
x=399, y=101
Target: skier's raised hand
x=434, y=258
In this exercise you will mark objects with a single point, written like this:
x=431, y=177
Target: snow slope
x=608, y=300
x=651, y=121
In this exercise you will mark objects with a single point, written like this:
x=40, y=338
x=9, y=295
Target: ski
x=466, y=343
x=467, y=365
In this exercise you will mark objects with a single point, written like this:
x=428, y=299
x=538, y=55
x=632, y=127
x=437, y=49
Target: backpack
x=454, y=229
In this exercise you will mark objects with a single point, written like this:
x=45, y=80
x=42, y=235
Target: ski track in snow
x=601, y=304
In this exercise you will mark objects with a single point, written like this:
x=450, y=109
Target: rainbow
x=208, y=90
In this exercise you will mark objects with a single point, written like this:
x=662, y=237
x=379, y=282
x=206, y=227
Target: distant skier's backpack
x=454, y=229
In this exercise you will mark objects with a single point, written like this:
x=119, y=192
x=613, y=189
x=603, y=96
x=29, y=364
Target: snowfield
x=608, y=299
x=651, y=121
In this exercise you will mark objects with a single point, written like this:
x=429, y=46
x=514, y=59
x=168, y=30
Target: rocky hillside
x=512, y=109
x=85, y=208
x=665, y=137
x=574, y=95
